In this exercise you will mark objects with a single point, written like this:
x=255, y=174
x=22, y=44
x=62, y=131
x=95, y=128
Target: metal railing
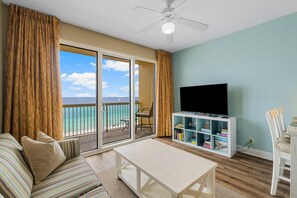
x=81, y=119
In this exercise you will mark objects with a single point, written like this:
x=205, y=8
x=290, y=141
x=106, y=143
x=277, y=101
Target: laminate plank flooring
x=248, y=175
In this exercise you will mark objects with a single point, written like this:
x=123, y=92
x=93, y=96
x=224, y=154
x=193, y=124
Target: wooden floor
x=245, y=174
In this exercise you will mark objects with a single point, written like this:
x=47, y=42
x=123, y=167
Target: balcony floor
x=89, y=141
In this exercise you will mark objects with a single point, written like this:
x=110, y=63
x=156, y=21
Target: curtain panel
x=164, y=94
x=33, y=98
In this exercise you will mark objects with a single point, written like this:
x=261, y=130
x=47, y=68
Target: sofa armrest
x=70, y=147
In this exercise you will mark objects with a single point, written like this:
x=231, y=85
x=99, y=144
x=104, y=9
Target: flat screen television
x=207, y=99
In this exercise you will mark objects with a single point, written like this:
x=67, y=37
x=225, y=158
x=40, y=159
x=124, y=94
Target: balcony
x=80, y=121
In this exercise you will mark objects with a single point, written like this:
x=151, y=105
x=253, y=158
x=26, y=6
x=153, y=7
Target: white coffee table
x=153, y=169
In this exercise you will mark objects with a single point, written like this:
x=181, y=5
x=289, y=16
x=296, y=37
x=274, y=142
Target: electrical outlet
x=251, y=140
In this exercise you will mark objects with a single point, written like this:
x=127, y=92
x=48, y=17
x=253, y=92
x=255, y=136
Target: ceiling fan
x=169, y=18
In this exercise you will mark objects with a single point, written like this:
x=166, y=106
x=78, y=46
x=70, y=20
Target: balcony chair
x=145, y=113
x=280, y=145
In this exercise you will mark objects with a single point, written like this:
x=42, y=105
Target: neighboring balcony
x=80, y=121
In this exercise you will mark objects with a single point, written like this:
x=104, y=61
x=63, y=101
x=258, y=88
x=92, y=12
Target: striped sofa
x=74, y=178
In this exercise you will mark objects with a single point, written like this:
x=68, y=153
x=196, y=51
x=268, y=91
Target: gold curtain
x=164, y=94
x=33, y=99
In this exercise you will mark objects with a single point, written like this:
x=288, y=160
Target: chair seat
x=142, y=114
x=283, y=146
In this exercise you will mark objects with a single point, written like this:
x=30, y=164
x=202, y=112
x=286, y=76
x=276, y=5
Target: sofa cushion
x=6, y=139
x=99, y=192
x=16, y=179
x=70, y=147
x=74, y=177
x=43, y=157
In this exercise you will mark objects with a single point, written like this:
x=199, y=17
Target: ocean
x=92, y=100
x=79, y=114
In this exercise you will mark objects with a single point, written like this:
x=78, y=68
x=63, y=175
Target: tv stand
x=213, y=134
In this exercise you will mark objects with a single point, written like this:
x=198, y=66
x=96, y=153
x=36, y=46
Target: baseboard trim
x=255, y=152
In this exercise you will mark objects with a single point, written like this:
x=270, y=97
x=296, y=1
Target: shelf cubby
x=200, y=139
x=179, y=134
x=219, y=127
x=190, y=137
x=220, y=144
x=178, y=122
x=190, y=123
x=203, y=125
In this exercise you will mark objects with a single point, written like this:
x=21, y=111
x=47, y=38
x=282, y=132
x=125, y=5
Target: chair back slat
x=272, y=128
x=276, y=124
x=281, y=120
x=151, y=110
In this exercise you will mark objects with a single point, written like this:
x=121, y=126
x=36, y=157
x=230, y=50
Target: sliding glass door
x=107, y=98
x=116, y=100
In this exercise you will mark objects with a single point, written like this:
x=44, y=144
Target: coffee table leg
x=138, y=179
x=211, y=183
x=118, y=159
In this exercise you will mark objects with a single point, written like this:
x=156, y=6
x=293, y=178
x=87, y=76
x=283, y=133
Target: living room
x=255, y=59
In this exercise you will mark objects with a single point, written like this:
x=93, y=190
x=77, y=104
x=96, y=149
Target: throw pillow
x=42, y=137
x=43, y=156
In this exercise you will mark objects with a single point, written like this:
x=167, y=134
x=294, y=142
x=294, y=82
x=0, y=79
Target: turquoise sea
x=80, y=114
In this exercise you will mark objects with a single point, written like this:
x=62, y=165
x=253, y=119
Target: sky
x=78, y=76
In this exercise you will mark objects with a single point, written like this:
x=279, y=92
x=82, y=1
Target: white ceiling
x=116, y=17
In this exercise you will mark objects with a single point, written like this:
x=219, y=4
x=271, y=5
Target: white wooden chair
x=281, y=146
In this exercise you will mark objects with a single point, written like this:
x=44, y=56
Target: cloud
x=104, y=84
x=87, y=80
x=114, y=95
x=75, y=88
x=116, y=65
x=125, y=89
x=84, y=95
x=136, y=72
x=93, y=64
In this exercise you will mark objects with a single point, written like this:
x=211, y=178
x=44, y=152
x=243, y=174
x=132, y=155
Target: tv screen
x=209, y=99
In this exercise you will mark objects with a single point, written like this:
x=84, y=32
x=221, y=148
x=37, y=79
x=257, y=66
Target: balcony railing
x=81, y=119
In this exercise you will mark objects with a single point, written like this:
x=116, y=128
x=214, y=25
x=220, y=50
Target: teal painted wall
x=260, y=66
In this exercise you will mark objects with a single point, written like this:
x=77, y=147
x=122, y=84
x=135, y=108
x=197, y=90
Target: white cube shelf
x=213, y=134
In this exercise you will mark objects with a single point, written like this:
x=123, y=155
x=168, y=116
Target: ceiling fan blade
x=180, y=4
x=192, y=24
x=170, y=39
x=149, y=27
x=141, y=9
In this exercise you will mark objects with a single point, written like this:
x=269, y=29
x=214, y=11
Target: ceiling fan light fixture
x=168, y=27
